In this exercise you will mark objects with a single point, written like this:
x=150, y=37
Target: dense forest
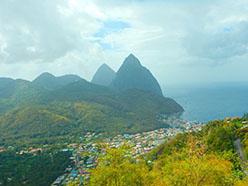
x=39, y=169
x=207, y=157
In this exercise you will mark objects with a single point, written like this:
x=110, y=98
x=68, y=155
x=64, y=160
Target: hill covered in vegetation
x=208, y=157
x=36, y=114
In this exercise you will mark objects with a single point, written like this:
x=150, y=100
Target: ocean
x=205, y=103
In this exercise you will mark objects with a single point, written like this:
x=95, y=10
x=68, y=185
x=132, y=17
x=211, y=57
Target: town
x=85, y=154
x=86, y=150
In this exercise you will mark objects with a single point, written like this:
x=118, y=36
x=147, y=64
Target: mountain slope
x=133, y=75
x=103, y=76
x=15, y=92
x=49, y=81
x=82, y=106
x=7, y=87
x=129, y=99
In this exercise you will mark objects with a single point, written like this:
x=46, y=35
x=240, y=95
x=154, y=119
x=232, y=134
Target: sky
x=180, y=41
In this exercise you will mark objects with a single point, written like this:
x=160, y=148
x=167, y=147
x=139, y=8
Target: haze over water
x=209, y=102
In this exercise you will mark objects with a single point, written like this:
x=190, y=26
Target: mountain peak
x=133, y=75
x=132, y=60
x=104, y=75
x=46, y=74
x=105, y=66
x=47, y=80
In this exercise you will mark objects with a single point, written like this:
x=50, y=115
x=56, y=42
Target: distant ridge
x=18, y=90
x=7, y=87
x=49, y=81
x=104, y=75
x=133, y=75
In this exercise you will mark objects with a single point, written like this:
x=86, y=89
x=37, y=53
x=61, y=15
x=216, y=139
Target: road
x=239, y=148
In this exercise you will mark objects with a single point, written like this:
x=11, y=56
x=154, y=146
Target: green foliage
x=245, y=116
x=207, y=157
x=39, y=114
x=29, y=169
x=115, y=170
x=192, y=165
x=5, y=105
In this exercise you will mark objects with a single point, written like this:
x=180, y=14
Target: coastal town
x=85, y=154
x=86, y=150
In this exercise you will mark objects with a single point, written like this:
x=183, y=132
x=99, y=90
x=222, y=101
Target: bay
x=208, y=102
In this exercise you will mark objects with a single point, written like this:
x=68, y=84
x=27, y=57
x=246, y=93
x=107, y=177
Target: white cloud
x=177, y=40
x=94, y=11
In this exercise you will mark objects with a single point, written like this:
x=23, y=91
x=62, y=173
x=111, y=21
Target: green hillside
x=18, y=92
x=38, y=115
x=7, y=87
x=208, y=157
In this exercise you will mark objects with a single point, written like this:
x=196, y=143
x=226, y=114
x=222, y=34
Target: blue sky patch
x=227, y=29
x=110, y=27
x=105, y=46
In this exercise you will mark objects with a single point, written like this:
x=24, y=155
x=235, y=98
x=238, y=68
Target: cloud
x=172, y=38
x=42, y=31
x=220, y=46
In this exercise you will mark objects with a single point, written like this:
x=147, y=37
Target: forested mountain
x=49, y=81
x=35, y=114
x=104, y=75
x=15, y=92
x=66, y=106
x=16, y=89
x=133, y=75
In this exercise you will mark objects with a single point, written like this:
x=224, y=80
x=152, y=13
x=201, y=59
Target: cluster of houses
x=85, y=154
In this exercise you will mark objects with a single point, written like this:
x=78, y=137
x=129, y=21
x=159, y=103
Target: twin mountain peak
x=69, y=105
x=131, y=74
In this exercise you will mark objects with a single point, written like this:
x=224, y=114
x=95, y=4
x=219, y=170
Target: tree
x=115, y=169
